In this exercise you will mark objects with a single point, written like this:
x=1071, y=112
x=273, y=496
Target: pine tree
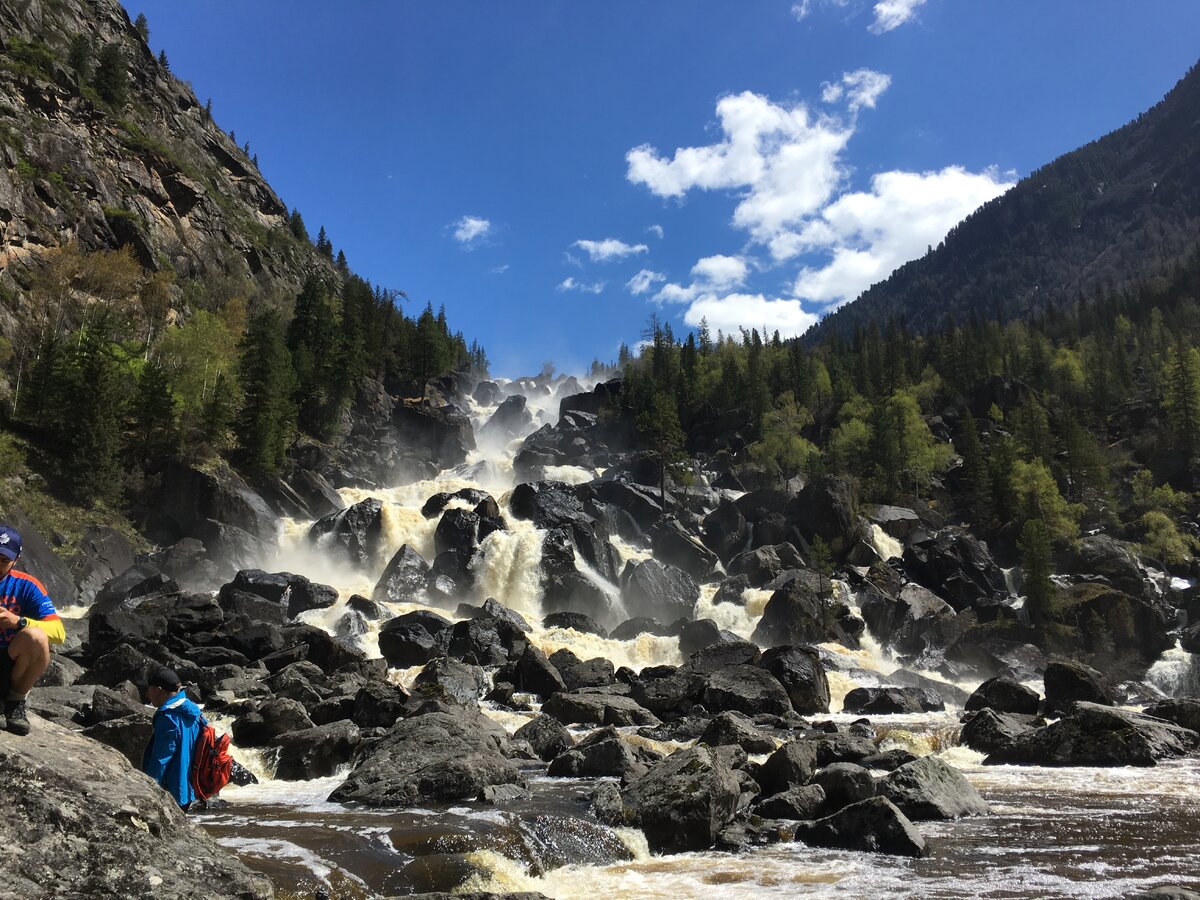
x=1036, y=562
x=79, y=57
x=142, y=24
x=296, y=225
x=162, y=61
x=820, y=559
x=267, y=419
x=153, y=425
x=1181, y=396
x=978, y=487
x=111, y=80
x=659, y=426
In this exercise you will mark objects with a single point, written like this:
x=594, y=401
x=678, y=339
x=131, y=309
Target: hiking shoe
x=17, y=717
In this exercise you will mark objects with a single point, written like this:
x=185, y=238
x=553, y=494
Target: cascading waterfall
x=1176, y=673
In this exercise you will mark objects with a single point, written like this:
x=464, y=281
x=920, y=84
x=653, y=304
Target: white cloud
x=643, y=281
x=609, y=249
x=860, y=88
x=656, y=230
x=499, y=270
x=570, y=284
x=721, y=272
x=470, y=230
x=733, y=311
x=868, y=234
x=891, y=14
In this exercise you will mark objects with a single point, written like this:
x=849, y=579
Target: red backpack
x=212, y=765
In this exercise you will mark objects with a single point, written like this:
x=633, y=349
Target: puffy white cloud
x=470, y=230
x=868, y=234
x=721, y=272
x=784, y=158
x=643, y=281
x=656, y=230
x=570, y=284
x=891, y=14
x=730, y=312
x=860, y=88
x=609, y=249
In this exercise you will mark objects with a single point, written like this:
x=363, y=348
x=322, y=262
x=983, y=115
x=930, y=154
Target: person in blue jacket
x=168, y=757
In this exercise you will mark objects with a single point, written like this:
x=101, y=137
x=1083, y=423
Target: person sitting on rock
x=28, y=626
x=168, y=756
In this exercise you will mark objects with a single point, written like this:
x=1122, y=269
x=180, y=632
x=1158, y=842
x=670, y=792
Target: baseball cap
x=163, y=677
x=10, y=542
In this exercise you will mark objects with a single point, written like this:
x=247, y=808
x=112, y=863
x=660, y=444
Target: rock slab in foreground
x=874, y=825
x=931, y=788
x=84, y=823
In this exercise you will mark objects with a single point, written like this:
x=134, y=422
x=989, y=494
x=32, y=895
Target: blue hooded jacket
x=168, y=758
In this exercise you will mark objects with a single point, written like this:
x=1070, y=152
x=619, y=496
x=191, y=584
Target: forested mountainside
x=1120, y=213
x=158, y=299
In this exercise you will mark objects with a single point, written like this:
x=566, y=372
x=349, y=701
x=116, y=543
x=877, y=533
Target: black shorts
x=5, y=671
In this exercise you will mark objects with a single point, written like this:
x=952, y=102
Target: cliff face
x=153, y=172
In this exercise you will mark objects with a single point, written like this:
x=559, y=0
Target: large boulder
x=912, y=622
x=676, y=546
x=1068, y=682
x=1183, y=712
x=731, y=728
x=958, y=567
x=683, y=802
x=442, y=432
x=315, y=752
x=103, y=553
x=457, y=530
x=765, y=563
x=354, y=533
x=191, y=495
x=745, y=689
x=1005, y=695
x=887, y=700
x=597, y=709
x=874, y=825
x=931, y=788
x=546, y=735
x=414, y=638
x=800, y=672
x=798, y=613
x=659, y=590
x=726, y=531
x=988, y=731
x=843, y=783
x=96, y=827
x=271, y=719
x=438, y=757
x=601, y=754
x=791, y=766
x=795, y=803
x=1095, y=735
x=509, y=420
x=1101, y=557
x=464, y=683
x=827, y=507
x=403, y=579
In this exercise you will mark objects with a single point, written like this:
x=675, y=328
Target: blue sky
x=553, y=172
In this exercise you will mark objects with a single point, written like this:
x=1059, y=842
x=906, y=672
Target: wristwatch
x=22, y=622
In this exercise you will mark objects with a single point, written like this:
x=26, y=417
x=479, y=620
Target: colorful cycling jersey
x=24, y=595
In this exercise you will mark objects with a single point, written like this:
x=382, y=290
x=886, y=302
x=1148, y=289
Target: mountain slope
x=150, y=169
x=1113, y=214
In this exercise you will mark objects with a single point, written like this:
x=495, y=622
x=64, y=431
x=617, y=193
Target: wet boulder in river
x=931, y=788
x=437, y=503
x=1005, y=695
x=442, y=432
x=414, y=638
x=802, y=675
x=959, y=568
x=915, y=620
x=356, y=533
x=683, y=802
x=1068, y=682
x=726, y=531
x=639, y=625
x=597, y=709
x=457, y=530
x=873, y=825
x=652, y=588
x=575, y=621
x=273, y=718
x=843, y=783
x=378, y=704
x=486, y=640
x=745, y=689
x=795, y=803
x=696, y=635
x=732, y=728
x=798, y=613
x=508, y=421
x=674, y=544
x=887, y=700
x=465, y=683
x=487, y=393
x=1095, y=735
x=601, y=754
x=315, y=752
x=535, y=674
x=764, y=563
x=719, y=654
x=403, y=579
x=1184, y=712
x=988, y=731
x=546, y=735
x=827, y=507
x=438, y=757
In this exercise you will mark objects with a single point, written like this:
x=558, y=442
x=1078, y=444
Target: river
x=1078, y=832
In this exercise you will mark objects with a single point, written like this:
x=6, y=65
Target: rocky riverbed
x=483, y=652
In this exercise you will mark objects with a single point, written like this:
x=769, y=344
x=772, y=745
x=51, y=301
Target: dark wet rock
x=1183, y=712
x=655, y=589
x=486, y=640
x=931, y=788
x=959, y=568
x=1123, y=632
x=437, y=757
x=791, y=766
x=487, y=393
x=122, y=663
x=914, y=621
x=841, y=747
x=734, y=728
x=356, y=533
x=594, y=673
x=1068, y=682
x=103, y=553
x=496, y=610
x=369, y=609
x=696, y=635
x=465, y=683
x=303, y=595
x=601, y=754
x=535, y=674
x=1095, y=735
x=726, y=531
x=1113, y=561
x=675, y=545
x=896, y=521
x=794, y=803
x=764, y=563
x=800, y=672
x=797, y=613
x=668, y=693
x=639, y=501
x=95, y=827
x=1165, y=892
x=458, y=530
x=720, y=654
x=272, y=718
x=935, y=689
x=128, y=734
x=632, y=628
x=888, y=760
x=378, y=704
x=403, y=579
x=575, y=621
x=548, y=504
x=991, y=650
x=843, y=783
x=827, y=507
x=988, y=731
x=315, y=752
x=60, y=672
x=190, y=496
x=442, y=432
x=546, y=735
x=874, y=825
x=885, y=700
x=683, y=802
x=508, y=421
x=598, y=709
x=138, y=581
x=731, y=591
x=745, y=689
x=1005, y=695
